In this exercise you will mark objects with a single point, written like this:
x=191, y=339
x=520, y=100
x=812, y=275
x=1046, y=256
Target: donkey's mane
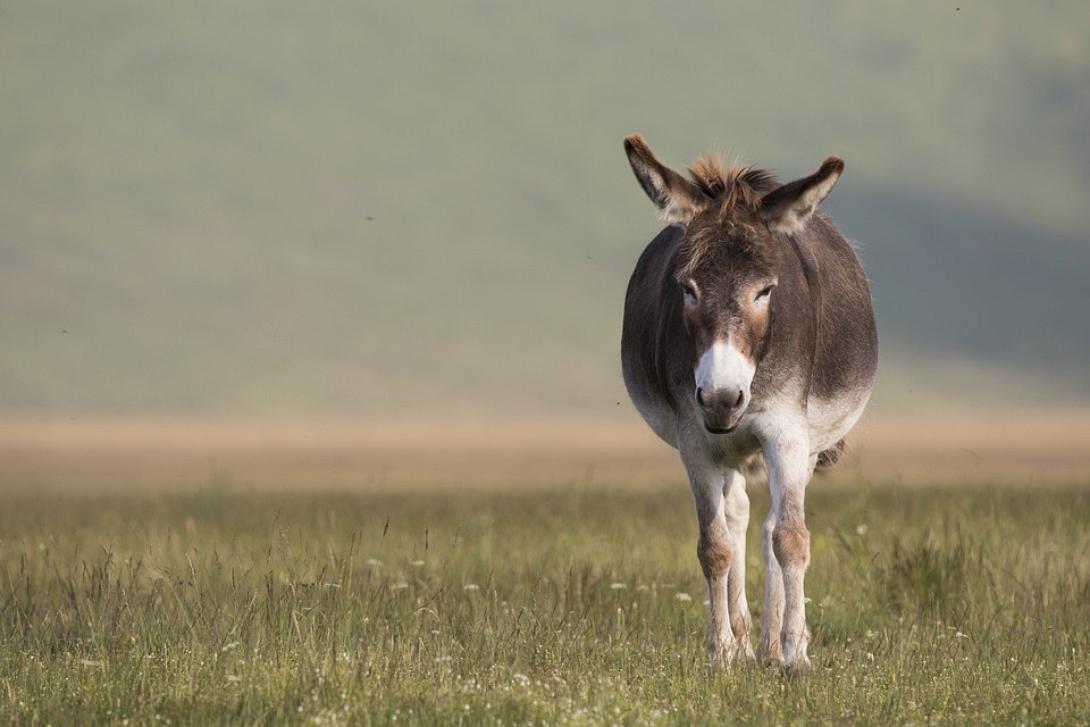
x=731, y=186
x=732, y=183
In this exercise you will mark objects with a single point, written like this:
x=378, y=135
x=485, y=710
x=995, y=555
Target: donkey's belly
x=660, y=418
x=831, y=419
x=654, y=409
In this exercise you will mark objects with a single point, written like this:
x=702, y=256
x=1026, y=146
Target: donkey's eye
x=690, y=293
x=765, y=292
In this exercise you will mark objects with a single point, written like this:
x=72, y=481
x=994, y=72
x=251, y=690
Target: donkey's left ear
x=788, y=208
x=678, y=199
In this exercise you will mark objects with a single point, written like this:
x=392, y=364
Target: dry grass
x=125, y=455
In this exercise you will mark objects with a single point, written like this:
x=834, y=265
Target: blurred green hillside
x=279, y=207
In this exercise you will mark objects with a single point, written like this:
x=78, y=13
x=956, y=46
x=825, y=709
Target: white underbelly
x=660, y=417
x=831, y=419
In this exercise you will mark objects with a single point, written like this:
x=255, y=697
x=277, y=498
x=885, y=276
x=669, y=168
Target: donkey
x=748, y=331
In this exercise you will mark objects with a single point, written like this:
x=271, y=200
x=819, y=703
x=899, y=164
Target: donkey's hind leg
x=736, y=510
x=771, y=646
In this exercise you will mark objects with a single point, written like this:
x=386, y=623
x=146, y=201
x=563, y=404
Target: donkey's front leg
x=715, y=552
x=789, y=469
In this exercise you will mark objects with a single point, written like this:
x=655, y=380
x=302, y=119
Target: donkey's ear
x=788, y=208
x=678, y=199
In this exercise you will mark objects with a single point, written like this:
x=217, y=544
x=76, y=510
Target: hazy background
x=287, y=209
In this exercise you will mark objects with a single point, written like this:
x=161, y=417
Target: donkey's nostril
x=699, y=396
x=741, y=398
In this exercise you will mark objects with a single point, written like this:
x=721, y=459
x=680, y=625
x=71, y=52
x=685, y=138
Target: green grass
x=559, y=608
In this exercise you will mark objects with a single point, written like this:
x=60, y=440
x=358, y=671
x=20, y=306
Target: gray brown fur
x=822, y=327
x=748, y=332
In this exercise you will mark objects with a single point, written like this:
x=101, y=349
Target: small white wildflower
x=470, y=587
x=861, y=529
x=521, y=679
x=683, y=597
x=417, y=564
x=441, y=659
x=229, y=647
x=399, y=586
x=960, y=635
x=234, y=679
x=331, y=585
x=374, y=562
x=617, y=586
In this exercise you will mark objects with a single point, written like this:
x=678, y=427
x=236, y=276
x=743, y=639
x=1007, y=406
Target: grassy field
x=568, y=606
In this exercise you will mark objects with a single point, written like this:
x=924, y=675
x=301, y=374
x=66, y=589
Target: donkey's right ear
x=678, y=199
x=788, y=208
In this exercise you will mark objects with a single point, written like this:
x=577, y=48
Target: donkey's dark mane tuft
x=733, y=184
x=731, y=187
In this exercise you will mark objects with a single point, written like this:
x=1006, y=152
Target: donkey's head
x=727, y=268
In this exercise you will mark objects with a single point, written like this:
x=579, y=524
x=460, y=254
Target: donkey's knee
x=767, y=528
x=736, y=505
x=714, y=550
x=791, y=544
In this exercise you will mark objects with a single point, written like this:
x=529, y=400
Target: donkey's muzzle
x=722, y=409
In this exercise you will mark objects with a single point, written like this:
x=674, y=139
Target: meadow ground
x=575, y=604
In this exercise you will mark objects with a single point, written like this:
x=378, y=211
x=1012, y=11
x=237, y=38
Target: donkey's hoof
x=770, y=655
x=722, y=658
x=771, y=662
x=723, y=654
x=741, y=657
x=800, y=667
x=745, y=654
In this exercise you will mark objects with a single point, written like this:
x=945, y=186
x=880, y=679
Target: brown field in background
x=98, y=455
